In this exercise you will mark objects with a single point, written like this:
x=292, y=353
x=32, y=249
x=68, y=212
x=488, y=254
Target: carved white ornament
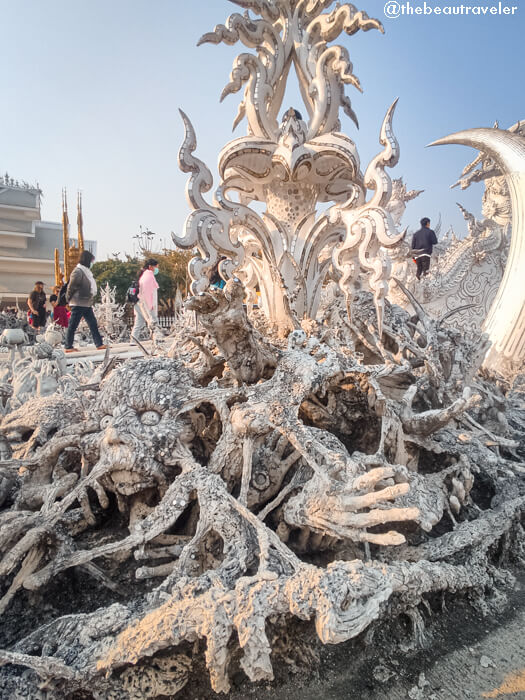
x=505, y=323
x=291, y=167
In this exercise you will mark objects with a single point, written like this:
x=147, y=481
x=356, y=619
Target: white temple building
x=27, y=244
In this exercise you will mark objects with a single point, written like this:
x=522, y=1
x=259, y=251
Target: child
x=59, y=314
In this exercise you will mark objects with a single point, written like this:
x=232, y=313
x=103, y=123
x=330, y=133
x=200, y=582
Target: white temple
x=27, y=243
x=295, y=164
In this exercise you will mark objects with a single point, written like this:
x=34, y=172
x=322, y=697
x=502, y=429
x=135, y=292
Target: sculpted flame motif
x=286, y=252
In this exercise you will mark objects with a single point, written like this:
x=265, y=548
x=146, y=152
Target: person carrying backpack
x=146, y=307
x=81, y=291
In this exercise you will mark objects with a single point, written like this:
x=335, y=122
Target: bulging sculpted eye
x=150, y=418
x=105, y=422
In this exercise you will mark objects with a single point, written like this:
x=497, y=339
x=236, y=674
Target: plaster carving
x=110, y=315
x=466, y=273
x=399, y=198
x=19, y=320
x=505, y=322
x=291, y=167
x=464, y=277
x=223, y=486
x=232, y=482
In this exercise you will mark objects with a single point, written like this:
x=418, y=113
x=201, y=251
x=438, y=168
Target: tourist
x=422, y=243
x=59, y=314
x=37, y=306
x=214, y=276
x=81, y=290
x=146, y=308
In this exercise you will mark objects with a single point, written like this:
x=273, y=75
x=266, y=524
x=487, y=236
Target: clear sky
x=91, y=90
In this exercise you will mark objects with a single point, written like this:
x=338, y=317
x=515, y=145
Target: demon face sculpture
x=140, y=430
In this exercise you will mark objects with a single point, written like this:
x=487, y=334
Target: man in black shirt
x=422, y=243
x=37, y=306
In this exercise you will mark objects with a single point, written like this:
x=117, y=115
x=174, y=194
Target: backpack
x=133, y=293
x=62, y=301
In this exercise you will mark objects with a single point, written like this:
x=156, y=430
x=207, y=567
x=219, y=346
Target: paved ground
x=492, y=668
x=89, y=352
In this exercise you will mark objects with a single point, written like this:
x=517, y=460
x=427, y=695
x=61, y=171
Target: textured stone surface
x=196, y=505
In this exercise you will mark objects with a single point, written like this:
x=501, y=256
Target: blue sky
x=91, y=90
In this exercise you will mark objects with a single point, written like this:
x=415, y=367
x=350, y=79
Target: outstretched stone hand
x=346, y=509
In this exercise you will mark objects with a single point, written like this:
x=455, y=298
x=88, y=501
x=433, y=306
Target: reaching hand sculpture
x=198, y=505
x=286, y=252
x=238, y=494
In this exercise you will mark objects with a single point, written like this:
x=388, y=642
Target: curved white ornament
x=292, y=166
x=505, y=323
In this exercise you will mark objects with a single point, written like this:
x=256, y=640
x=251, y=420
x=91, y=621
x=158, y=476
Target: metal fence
x=165, y=321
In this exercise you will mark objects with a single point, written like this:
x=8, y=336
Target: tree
x=173, y=265
x=118, y=273
x=173, y=274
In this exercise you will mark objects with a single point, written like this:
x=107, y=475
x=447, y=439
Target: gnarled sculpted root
x=194, y=505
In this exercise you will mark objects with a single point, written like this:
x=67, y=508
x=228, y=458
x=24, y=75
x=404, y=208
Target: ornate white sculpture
x=109, y=314
x=505, y=323
x=398, y=201
x=292, y=167
x=342, y=478
x=464, y=276
x=466, y=273
x=496, y=205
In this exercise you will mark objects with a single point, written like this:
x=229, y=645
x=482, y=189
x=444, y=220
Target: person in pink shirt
x=146, y=309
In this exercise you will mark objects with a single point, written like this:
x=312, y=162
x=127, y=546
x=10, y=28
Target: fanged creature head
x=140, y=430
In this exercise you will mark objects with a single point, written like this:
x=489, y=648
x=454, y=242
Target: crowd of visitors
x=73, y=301
x=70, y=303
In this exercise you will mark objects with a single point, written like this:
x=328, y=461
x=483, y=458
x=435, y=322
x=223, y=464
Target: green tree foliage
x=118, y=273
x=173, y=265
x=173, y=274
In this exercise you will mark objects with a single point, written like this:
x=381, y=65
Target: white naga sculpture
x=505, y=323
x=467, y=273
x=398, y=201
x=292, y=167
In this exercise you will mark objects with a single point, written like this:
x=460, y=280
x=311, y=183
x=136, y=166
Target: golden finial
x=80, y=222
x=58, y=272
x=65, y=233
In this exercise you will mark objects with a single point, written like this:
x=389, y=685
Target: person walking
x=37, y=306
x=422, y=243
x=146, y=308
x=81, y=290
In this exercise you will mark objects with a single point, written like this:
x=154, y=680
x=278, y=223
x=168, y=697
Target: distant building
x=27, y=244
